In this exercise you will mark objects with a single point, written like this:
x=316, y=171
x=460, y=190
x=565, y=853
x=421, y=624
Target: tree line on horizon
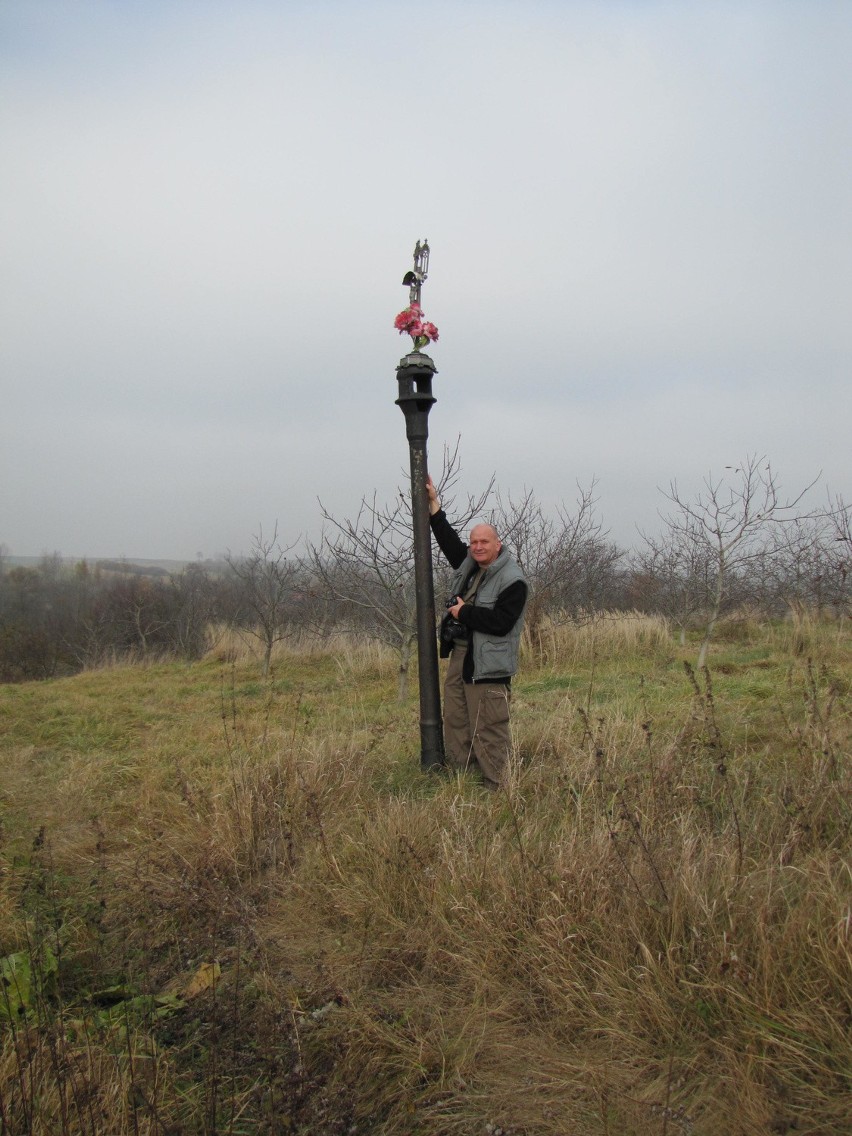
x=735, y=544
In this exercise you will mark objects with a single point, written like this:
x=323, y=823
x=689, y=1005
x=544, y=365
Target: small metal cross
x=417, y=276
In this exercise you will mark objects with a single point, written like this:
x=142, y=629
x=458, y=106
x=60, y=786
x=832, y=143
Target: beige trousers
x=476, y=723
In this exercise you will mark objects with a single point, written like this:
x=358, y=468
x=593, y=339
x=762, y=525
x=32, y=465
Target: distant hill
x=136, y=567
x=140, y=567
x=128, y=567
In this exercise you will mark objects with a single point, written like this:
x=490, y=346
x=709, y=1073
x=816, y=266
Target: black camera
x=451, y=629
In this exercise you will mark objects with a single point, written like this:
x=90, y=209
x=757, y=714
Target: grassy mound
x=230, y=905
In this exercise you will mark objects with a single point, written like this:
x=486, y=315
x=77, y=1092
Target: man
x=481, y=634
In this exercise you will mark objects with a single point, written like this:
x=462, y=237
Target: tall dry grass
x=583, y=637
x=263, y=919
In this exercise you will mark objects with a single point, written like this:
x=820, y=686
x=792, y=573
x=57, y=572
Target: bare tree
x=672, y=579
x=267, y=586
x=192, y=605
x=795, y=575
x=365, y=565
x=57, y=619
x=840, y=519
x=725, y=524
x=38, y=619
x=567, y=559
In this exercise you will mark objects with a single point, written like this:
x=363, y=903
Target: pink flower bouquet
x=411, y=322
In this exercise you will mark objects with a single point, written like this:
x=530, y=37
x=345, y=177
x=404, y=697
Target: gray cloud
x=640, y=222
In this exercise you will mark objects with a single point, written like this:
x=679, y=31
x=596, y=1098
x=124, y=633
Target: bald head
x=485, y=544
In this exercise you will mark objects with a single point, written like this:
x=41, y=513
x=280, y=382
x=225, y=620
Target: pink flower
x=410, y=322
x=407, y=319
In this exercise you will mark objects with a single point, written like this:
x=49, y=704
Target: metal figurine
x=415, y=279
x=414, y=376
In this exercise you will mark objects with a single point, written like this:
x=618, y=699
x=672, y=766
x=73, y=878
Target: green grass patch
x=230, y=903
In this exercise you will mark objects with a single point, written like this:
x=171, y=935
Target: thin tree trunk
x=714, y=612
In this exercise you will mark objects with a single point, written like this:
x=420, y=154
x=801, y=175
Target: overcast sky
x=640, y=217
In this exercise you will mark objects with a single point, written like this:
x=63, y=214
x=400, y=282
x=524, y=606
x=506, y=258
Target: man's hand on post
x=434, y=499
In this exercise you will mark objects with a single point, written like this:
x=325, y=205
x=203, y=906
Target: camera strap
x=472, y=585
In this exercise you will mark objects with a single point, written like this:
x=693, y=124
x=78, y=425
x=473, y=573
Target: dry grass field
x=234, y=905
